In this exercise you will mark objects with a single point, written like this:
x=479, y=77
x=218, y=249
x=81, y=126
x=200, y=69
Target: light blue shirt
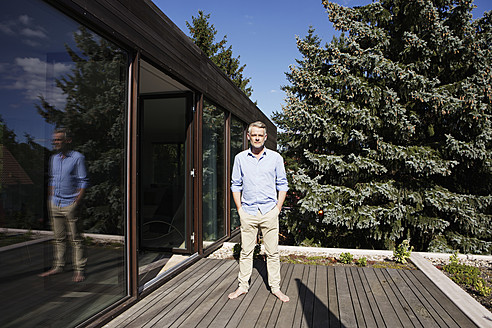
x=67, y=176
x=258, y=180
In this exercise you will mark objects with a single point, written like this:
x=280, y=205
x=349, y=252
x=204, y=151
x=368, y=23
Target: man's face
x=59, y=141
x=257, y=137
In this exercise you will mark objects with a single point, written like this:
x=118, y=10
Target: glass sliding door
x=162, y=173
x=213, y=188
x=164, y=178
x=63, y=143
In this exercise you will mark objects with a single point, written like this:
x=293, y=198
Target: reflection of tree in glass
x=237, y=144
x=94, y=113
x=213, y=176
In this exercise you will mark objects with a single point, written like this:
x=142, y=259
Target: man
x=68, y=181
x=257, y=175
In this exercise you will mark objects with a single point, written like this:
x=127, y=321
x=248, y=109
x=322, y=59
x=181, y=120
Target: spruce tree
x=387, y=129
x=203, y=34
x=95, y=114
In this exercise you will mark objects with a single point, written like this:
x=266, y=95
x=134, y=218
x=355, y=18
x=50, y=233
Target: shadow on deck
x=321, y=296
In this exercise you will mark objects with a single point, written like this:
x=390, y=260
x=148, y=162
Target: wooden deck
x=320, y=296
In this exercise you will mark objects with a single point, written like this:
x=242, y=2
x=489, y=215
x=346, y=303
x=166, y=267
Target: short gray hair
x=66, y=132
x=257, y=124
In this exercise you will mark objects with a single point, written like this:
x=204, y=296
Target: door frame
x=188, y=167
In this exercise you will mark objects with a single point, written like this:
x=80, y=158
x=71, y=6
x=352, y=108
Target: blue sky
x=263, y=34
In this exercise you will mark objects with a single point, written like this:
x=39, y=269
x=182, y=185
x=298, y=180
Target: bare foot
x=281, y=296
x=78, y=277
x=236, y=294
x=50, y=272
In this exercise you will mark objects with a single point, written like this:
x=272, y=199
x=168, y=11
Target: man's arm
x=236, y=195
x=82, y=179
x=281, y=198
x=80, y=194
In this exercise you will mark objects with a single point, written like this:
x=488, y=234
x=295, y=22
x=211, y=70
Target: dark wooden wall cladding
x=141, y=25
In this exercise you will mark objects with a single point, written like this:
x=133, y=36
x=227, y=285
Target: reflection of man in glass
x=257, y=175
x=68, y=180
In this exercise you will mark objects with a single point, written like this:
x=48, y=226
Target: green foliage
x=95, y=113
x=362, y=261
x=203, y=35
x=388, y=129
x=256, y=251
x=346, y=258
x=481, y=287
x=453, y=259
x=236, y=250
x=402, y=252
x=468, y=275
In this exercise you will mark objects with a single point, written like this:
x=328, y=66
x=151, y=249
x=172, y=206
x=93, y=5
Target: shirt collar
x=265, y=150
x=68, y=154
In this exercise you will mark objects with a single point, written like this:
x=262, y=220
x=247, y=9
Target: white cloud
x=34, y=78
x=6, y=28
x=25, y=19
x=30, y=33
x=273, y=91
x=25, y=28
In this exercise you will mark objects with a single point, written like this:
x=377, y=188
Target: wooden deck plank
x=180, y=295
x=390, y=289
x=457, y=315
x=223, y=307
x=169, y=292
x=219, y=275
x=400, y=290
x=268, y=311
x=288, y=310
x=376, y=312
x=442, y=315
x=347, y=313
x=359, y=315
x=369, y=320
x=333, y=310
x=427, y=300
x=252, y=313
x=320, y=308
x=127, y=317
x=304, y=312
x=252, y=298
x=217, y=297
x=407, y=289
x=230, y=307
x=260, y=310
x=378, y=290
x=349, y=296
x=186, y=303
x=277, y=306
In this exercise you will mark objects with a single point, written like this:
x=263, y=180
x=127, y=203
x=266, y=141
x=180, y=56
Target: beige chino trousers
x=268, y=223
x=63, y=219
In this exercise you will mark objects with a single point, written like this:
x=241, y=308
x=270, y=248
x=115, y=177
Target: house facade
x=158, y=125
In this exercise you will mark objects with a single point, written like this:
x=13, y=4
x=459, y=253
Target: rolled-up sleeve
x=82, y=178
x=237, y=176
x=281, y=180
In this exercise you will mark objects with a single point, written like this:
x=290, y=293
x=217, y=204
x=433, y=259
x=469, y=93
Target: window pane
x=56, y=73
x=237, y=145
x=213, y=173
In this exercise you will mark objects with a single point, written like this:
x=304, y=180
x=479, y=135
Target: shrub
x=454, y=258
x=402, y=252
x=346, y=258
x=362, y=262
x=469, y=276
